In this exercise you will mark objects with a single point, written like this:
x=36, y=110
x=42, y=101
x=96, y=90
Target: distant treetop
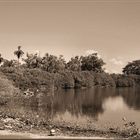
x=132, y=68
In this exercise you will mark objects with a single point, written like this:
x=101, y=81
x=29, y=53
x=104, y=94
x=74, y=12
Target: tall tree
x=19, y=53
x=53, y=63
x=92, y=63
x=74, y=64
x=33, y=61
x=45, y=62
x=60, y=63
x=132, y=68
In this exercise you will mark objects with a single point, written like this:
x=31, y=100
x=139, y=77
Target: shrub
x=83, y=79
x=103, y=79
x=30, y=78
x=64, y=80
x=6, y=87
x=123, y=80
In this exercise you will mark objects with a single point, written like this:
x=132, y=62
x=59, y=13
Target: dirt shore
x=6, y=134
x=19, y=128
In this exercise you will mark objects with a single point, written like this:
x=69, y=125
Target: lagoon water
x=105, y=106
x=101, y=106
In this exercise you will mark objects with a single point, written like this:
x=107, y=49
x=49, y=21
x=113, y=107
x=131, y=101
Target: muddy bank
x=25, y=129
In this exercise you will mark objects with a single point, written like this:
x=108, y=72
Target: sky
x=72, y=27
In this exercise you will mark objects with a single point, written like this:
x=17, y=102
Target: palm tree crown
x=19, y=52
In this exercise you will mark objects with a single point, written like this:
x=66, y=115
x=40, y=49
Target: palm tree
x=18, y=53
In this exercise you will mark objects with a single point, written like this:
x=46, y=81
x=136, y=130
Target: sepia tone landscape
x=69, y=69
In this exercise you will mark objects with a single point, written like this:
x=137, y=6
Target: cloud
x=107, y=71
x=114, y=71
x=88, y=52
x=116, y=61
x=37, y=52
x=91, y=52
x=118, y=104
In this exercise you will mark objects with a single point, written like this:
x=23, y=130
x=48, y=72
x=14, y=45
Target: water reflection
x=88, y=102
x=84, y=103
x=131, y=96
x=114, y=104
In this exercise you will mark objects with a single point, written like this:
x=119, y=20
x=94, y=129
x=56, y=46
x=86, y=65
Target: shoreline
x=15, y=135
x=24, y=128
x=13, y=130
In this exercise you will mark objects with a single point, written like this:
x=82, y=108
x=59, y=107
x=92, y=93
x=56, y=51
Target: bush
x=123, y=80
x=6, y=87
x=103, y=79
x=30, y=79
x=7, y=90
x=25, y=78
x=64, y=80
x=83, y=79
x=136, y=79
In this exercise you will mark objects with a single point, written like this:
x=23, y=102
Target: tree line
x=53, y=64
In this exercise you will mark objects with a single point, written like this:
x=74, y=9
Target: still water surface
x=103, y=106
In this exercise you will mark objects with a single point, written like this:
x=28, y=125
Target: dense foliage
x=92, y=63
x=36, y=72
x=132, y=68
x=123, y=80
x=32, y=79
x=53, y=64
x=74, y=64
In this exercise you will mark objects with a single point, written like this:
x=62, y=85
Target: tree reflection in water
x=78, y=102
